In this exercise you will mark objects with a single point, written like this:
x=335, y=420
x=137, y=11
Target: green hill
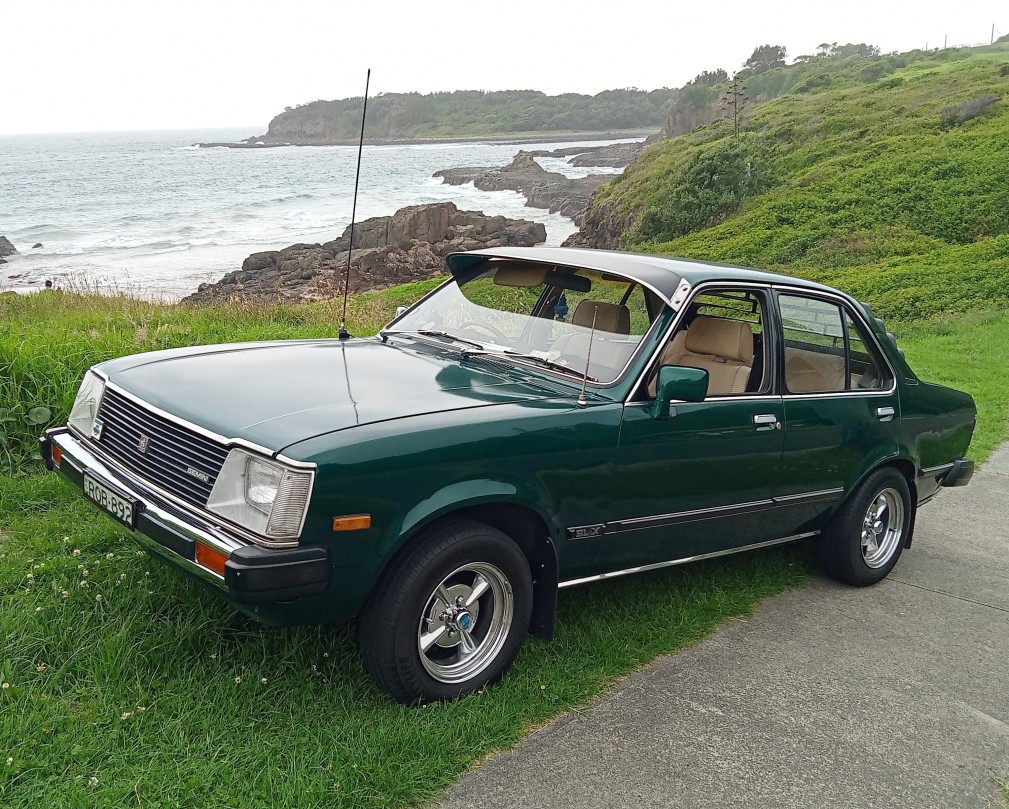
x=887, y=177
x=470, y=113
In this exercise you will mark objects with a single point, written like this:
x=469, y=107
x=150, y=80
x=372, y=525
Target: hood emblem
x=142, y=444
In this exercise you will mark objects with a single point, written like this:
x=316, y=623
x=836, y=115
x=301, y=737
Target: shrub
x=956, y=114
x=708, y=188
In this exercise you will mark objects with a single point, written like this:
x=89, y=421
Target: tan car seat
x=723, y=348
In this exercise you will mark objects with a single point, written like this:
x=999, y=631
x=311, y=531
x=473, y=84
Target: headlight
x=85, y=409
x=262, y=495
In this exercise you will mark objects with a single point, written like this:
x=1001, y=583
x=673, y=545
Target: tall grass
x=49, y=339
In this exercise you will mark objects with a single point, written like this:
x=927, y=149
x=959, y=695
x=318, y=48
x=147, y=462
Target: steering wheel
x=487, y=327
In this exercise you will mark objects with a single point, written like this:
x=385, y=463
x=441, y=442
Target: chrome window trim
x=847, y=305
x=642, y=381
x=684, y=560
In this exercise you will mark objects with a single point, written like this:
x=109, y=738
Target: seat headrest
x=612, y=317
x=731, y=339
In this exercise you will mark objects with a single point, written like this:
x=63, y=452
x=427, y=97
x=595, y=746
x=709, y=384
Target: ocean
x=151, y=214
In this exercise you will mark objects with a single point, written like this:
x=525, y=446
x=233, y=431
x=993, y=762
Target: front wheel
x=864, y=539
x=449, y=616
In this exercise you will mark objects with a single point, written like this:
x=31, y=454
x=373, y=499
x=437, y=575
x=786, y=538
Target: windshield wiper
x=544, y=361
x=436, y=333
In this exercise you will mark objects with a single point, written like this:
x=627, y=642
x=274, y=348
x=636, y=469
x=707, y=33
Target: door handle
x=766, y=421
x=885, y=413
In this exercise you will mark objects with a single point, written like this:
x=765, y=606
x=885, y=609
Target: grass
x=969, y=352
x=1003, y=788
x=123, y=684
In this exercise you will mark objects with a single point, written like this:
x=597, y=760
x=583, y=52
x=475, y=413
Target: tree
x=824, y=48
x=733, y=101
x=708, y=78
x=851, y=49
x=766, y=57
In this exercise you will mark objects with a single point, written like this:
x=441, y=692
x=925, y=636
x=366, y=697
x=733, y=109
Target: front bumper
x=251, y=574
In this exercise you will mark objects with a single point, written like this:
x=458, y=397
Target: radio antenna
x=343, y=334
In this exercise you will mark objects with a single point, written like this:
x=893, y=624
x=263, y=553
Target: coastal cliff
x=410, y=245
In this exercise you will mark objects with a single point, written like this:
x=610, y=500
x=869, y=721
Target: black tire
x=864, y=539
x=427, y=597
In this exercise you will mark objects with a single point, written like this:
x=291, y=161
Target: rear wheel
x=449, y=616
x=864, y=539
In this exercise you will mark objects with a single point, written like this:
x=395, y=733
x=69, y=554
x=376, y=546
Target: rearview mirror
x=401, y=310
x=679, y=383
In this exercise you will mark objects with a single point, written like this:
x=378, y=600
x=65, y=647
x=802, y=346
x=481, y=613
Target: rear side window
x=825, y=348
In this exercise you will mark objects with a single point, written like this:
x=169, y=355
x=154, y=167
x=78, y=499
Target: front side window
x=825, y=350
x=722, y=332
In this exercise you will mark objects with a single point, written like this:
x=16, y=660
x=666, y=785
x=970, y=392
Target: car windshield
x=535, y=313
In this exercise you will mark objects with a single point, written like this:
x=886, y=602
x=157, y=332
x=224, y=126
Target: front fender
x=468, y=493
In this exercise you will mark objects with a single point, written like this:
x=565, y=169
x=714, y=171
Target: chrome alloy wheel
x=882, y=528
x=465, y=622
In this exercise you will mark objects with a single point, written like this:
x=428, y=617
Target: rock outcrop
x=616, y=155
x=684, y=118
x=541, y=188
x=6, y=249
x=410, y=245
x=600, y=228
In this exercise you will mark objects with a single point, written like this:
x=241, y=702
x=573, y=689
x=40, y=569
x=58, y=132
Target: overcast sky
x=83, y=65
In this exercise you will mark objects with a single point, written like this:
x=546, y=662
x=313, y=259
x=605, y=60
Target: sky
x=109, y=65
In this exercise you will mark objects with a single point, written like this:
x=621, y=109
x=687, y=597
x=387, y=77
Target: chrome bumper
x=171, y=532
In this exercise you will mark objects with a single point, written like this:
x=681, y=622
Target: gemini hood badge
x=142, y=444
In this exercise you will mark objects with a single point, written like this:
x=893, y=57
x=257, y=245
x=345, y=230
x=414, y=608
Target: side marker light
x=356, y=522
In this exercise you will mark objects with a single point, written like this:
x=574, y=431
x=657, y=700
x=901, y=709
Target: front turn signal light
x=210, y=559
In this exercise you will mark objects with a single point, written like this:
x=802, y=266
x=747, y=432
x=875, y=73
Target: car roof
x=662, y=274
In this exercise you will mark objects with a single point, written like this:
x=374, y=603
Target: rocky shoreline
x=410, y=245
x=264, y=142
x=541, y=188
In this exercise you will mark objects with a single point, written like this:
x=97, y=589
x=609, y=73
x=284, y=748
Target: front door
x=701, y=480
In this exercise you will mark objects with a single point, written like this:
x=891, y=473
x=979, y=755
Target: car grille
x=168, y=451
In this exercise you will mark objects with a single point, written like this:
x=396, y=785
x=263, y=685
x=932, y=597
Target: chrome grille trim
x=172, y=448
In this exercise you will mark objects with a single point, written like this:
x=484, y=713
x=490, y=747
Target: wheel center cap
x=464, y=621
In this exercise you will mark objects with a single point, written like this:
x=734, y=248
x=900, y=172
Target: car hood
x=276, y=394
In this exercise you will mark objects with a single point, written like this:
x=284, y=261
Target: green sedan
x=546, y=417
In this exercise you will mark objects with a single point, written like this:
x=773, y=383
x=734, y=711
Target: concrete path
x=892, y=696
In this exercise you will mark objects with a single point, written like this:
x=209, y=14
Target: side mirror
x=401, y=310
x=678, y=382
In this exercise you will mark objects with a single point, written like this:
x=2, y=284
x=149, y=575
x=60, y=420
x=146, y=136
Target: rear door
x=841, y=409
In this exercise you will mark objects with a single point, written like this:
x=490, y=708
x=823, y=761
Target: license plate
x=122, y=508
